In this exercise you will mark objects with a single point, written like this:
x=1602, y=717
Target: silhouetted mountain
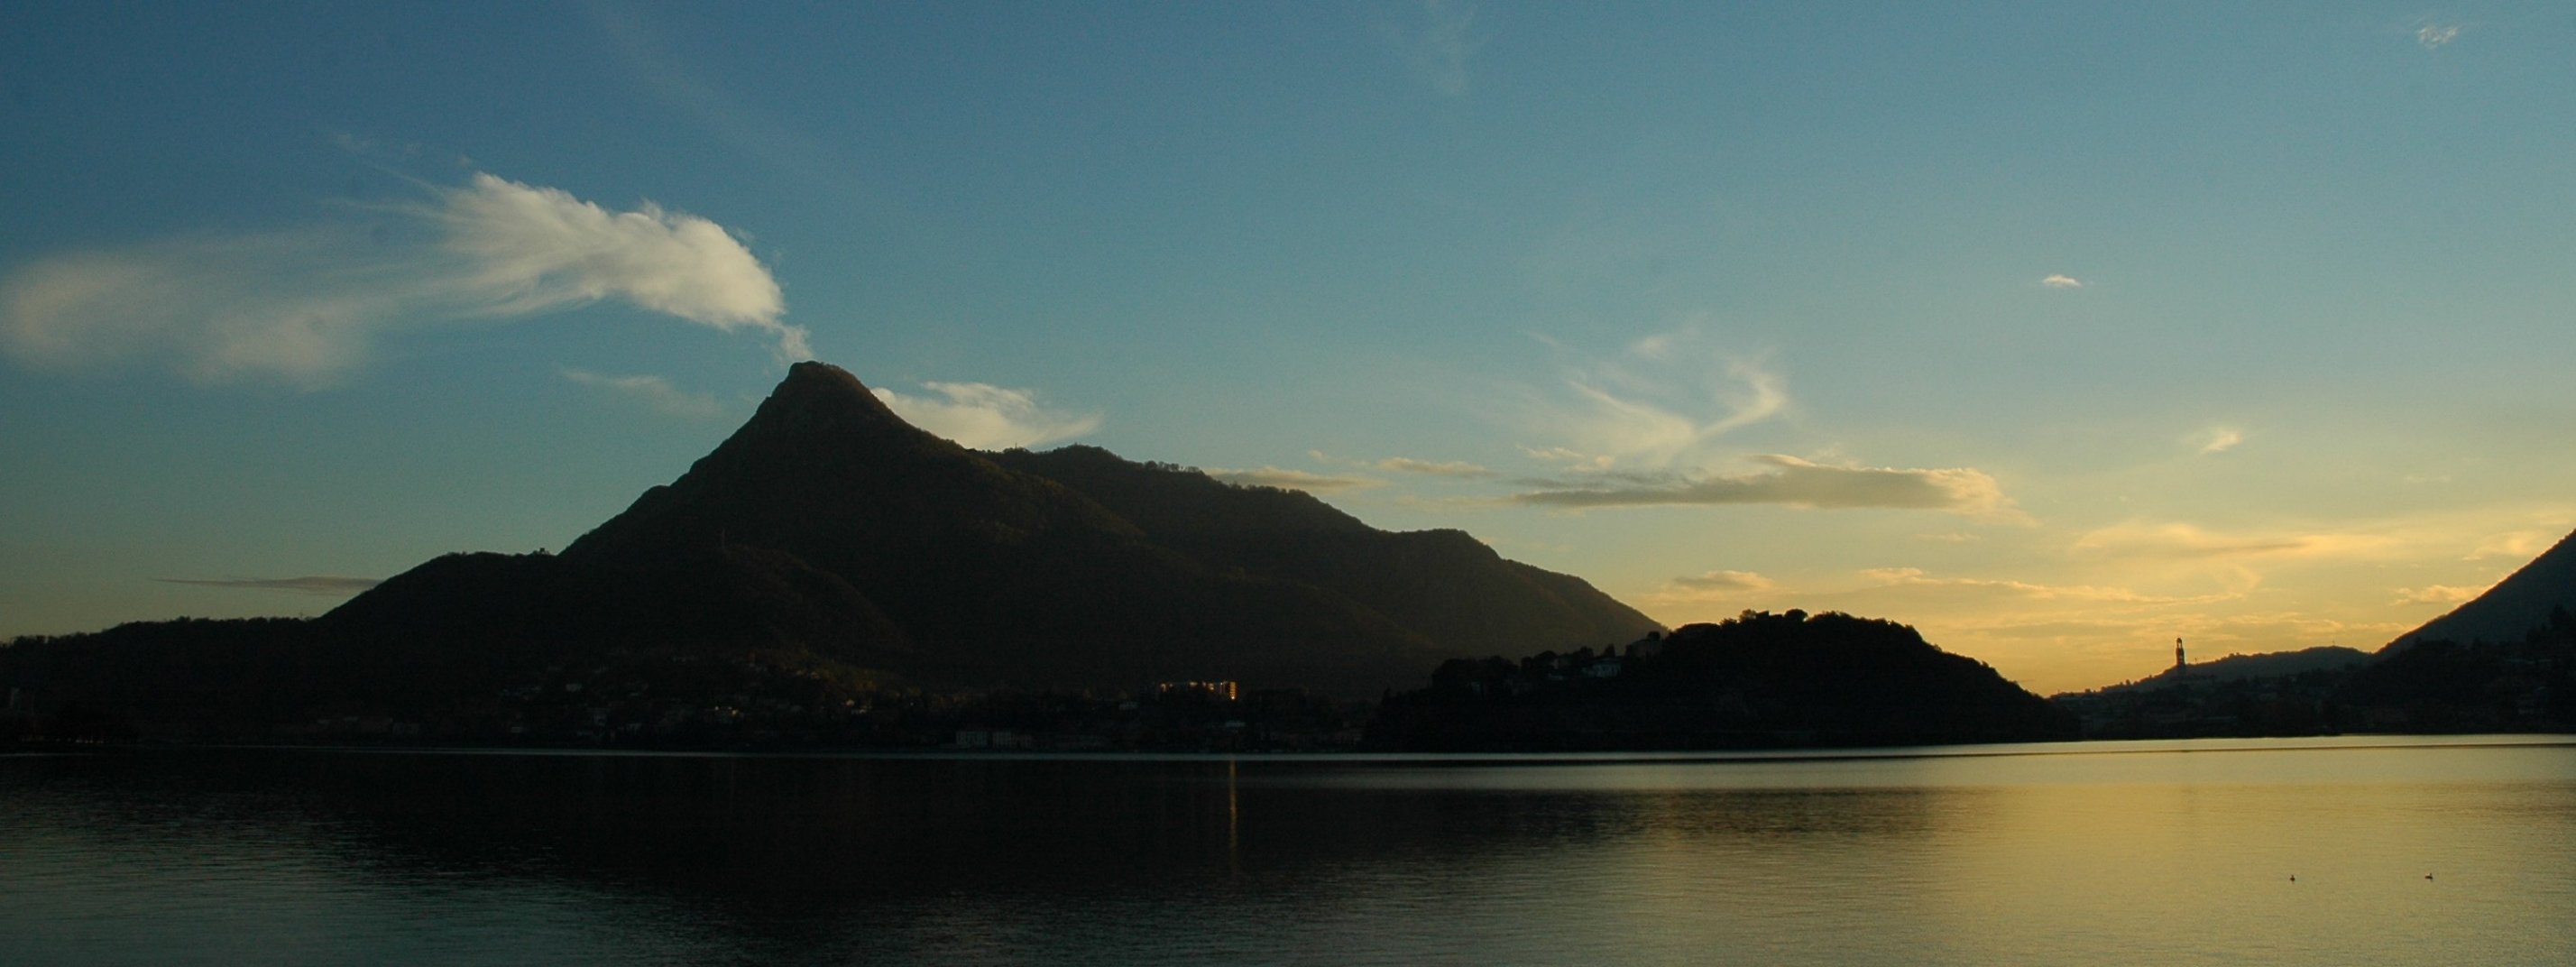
x=2275, y=664
x=2280, y=693
x=2519, y=603
x=2523, y=683
x=951, y=569
x=1442, y=583
x=1759, y=680
x=827, y=548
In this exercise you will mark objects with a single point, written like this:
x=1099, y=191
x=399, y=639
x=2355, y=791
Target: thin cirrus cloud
x=2217, y=439
x=1613, y=420
x=305, y=306
x=1438, y=45
x=652, y=391
x=1909, y=577
x=1434, y=468
x=337, y=587
x=2192, y=542
x=987, y=417
x=2061, y=281
x=2437, y=594
x=1712, y=587
x=2512, y=544
x=2435, y=36
x=1318, y=483
x=1795, y=482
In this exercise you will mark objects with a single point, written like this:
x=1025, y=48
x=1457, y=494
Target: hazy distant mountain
x=2511, y=609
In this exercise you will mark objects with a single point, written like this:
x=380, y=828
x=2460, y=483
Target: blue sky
x=2058, y=331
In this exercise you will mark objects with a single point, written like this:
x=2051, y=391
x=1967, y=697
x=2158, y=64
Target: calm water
x=2171, y=853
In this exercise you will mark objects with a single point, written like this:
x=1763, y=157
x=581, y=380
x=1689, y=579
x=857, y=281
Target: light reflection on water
x=2119, y=853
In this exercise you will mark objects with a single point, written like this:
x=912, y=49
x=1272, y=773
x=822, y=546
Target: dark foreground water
x=2339, y=851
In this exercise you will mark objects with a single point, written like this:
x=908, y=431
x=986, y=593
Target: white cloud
x=1293, y=480
x=987, y=417
x=532, y=249
x=2435, y=36
x=1801, y=483
x=1438, y=46
x=2062, y=282
x=304, y=306
x=2217, y=439
x=1444, y=468
x=653, y=391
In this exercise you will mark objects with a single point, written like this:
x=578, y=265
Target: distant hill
x=1757, y=681
x=826, y=548
x=2521, y=602
x=2276, y=664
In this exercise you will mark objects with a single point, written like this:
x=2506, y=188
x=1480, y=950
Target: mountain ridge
x=827, y=523
x=2524, y=600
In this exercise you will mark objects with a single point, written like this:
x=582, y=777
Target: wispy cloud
x=2437, y=594
x=2188, y=541
x=337, y=587
x=2062, y=282
x=653, y=391
x=1443, y=468
x=2512, y=544
x=1801, y=483
x=987, y=417
x=2217, y=439
x=2435, y=36
x=1294, y=480
x=1568, y=459
x=1712, y=587
x=1617, y=415
x=1437, y=44
x=1908, y=577
x=744, y=125
x=306, y=305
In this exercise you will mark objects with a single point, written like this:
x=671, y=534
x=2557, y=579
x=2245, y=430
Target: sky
x=2055, y=331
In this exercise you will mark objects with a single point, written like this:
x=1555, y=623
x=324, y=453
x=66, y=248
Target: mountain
x=828, y=549
x=2521, y=602
x=1445, y=584
x=2272, y=664
x=1760, y=680
x=2505, y=661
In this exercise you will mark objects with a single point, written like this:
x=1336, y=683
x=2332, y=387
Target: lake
x=2352, y=850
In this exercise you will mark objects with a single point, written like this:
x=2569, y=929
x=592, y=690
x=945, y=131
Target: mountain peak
x=823, y=469
x=821, y=397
